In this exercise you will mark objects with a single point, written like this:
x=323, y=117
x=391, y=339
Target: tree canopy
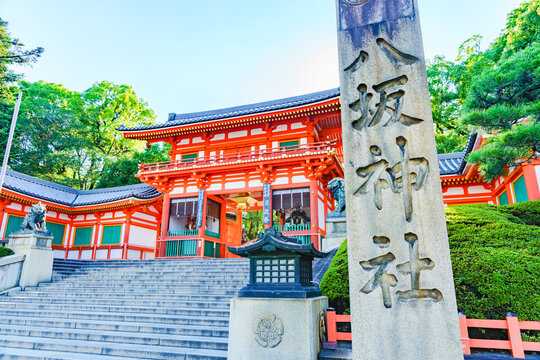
x=495, y=91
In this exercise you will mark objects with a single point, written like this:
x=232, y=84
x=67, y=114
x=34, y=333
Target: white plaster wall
x=184, y=142
x=215, y=187
x=255, y=183
x=262, y=147
x=79, y=218
x=218, y=137
x=257, y=131
x=63, y=216
x=107, y=215
x=119, y=214
x=235, y=185
x=281, y=181
x=91, y=217
x=52, y=214
x=86, y=255
x=201, y=153
x=116, y=253
x=212, y=153
x=142, y=236
x=144, y=217
x=477, y=189
x=192, y=189
x=275, y=144
x=14, y=206
x=297, y=125
x=237, y=134
x=148, y=255
x=322, y=223
x=299, y=179
x=454, y=191
x=27, y=209
x=133, y=254
x=537, y=170
x=59, y=254
x=73, y=255
x=178, y=190
x=99, y=230
x=4, y=222
x=282, y=127
x=197, y=140
x=101, y=254
x=303, y=141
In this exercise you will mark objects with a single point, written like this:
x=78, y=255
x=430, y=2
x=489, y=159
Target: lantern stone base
x=269, y=329
x=38, y=263
x=336, y=232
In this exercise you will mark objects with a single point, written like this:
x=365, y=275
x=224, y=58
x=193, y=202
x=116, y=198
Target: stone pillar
x=401, y=286
x=38, y=263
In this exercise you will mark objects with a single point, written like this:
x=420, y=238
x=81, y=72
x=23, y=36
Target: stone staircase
x=111, y=310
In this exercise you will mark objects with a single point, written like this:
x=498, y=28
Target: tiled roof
x=454, y=163
x=273, y=105
x=64, y=195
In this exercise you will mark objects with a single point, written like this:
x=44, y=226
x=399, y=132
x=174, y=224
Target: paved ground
x=488, y=356
x=344, y=352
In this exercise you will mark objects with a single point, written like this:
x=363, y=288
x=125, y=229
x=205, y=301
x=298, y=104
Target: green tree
x=504, y=98
x=12, y=52
x=122, y=172
x=68, y=137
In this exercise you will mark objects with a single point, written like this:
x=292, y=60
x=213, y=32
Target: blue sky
x=183, y=56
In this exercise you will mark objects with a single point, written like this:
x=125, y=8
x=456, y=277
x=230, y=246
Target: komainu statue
x=35, y=219
x=337, y=186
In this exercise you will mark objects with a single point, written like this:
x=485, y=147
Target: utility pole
x=10, y=139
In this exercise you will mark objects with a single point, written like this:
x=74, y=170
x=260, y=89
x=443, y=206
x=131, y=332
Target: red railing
x=241, y=157
x=514, y=343
x=511, y=324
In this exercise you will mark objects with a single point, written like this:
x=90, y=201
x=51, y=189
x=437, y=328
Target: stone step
x=107, y=325
x=162, y=294
x=192, y=311
x=32, y=354
x=117, y=302
x=203, y=342
x=143, y=285
x=116, y=349
x=119, y=317
x=135, y=296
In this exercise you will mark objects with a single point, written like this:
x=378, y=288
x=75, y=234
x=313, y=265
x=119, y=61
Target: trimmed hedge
x=4, y=251
x=495, y=253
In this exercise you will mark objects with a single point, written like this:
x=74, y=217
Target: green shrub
x=335, y=283
x=4, y=251
x=495, y=253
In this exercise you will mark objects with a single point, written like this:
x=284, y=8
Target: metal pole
x=10, y=139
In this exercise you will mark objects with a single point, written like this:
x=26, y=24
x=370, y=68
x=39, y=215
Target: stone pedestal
x=269, y=329
x=38, y=263
x=336, y=232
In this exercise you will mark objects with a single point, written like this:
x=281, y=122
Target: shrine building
x=275, y=156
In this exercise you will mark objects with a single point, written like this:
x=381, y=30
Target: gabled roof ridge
x=42, y=182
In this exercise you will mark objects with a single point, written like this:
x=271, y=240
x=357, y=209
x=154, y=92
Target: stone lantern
x=277, y=314
x=280, y=267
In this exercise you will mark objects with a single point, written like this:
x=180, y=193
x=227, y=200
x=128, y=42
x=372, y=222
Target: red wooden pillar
x=126, y=233
x=331, y=326
x=96, y=235
x=464, y=330
x=514, y=336
x=531, y=181
x=164, y=228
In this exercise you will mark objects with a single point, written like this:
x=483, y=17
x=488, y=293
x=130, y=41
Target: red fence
x=514, y=343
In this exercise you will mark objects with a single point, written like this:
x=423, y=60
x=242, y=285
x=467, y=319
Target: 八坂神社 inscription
x=397, y=241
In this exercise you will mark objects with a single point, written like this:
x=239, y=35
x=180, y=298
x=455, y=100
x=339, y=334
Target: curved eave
x=51, y=205
x=321, y=107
